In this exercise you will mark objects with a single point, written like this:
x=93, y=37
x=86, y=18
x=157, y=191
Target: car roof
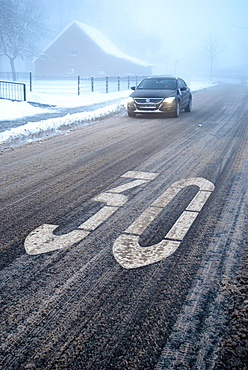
x=157, y=77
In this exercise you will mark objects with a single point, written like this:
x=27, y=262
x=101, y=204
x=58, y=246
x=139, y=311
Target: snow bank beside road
x=11, y=110
x=35, y=130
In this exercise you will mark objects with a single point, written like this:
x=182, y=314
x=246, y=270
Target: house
x=81, y=50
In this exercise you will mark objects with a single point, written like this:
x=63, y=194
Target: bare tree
x=20, y=30
x=211, y=50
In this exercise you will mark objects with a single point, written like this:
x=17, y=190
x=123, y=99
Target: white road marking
x=202, y=183
x=43, y=240
x=141, y=223
x=181, y=226
x=198, y=201
x=98, y=218
x=129, y=254
x=129, y=185
x=126, y=248
x=116, y=200
x=140, y=175
x=166, y=197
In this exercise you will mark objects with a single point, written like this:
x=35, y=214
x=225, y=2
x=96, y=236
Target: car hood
x=152, y=93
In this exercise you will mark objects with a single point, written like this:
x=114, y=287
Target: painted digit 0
x=126, y=249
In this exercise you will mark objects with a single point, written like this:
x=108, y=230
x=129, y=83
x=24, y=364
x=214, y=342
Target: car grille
x=148, y=100
x=148, y=103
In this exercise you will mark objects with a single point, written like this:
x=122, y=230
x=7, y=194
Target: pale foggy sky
x=170, y=34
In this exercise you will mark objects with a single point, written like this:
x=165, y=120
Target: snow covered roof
x=106, y=45
x=103, y=42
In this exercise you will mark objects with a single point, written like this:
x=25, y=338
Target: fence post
x=24, y=92
x=136, y=81
x=78, y=85
x=92, y=83
x=128, y=82
x=30, y=81
x=118, y=83
x=106, y=84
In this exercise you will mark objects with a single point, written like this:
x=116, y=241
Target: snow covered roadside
x=11, y=110
x=36, y=130
x=40, y=129
x=43, y=128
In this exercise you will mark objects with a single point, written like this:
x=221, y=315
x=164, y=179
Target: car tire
x=189, y=106
x=131, y=114
x=177, y=110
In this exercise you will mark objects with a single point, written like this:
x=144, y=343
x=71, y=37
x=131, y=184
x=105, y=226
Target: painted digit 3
x=43, y=239
x=126, y=248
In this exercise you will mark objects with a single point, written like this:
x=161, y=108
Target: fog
x=172, y=35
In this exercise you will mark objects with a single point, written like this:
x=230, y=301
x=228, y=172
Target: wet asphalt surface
x=77, y=307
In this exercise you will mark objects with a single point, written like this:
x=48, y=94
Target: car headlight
x=130, y=100
x=169, y=100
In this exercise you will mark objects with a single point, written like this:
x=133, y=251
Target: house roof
x=102, y=41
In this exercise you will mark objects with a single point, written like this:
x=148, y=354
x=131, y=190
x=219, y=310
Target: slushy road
x=118, y=238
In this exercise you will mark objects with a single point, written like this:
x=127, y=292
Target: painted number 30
x=126, y=249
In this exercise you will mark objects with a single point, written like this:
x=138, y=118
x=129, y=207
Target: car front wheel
x=177, y=110
x=131, y=114
x=189, y=106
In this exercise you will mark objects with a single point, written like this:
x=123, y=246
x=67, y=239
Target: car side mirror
x=183, y=88
x=133, y=88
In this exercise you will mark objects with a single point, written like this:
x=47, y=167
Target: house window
x=74, y=53
x=70, y=70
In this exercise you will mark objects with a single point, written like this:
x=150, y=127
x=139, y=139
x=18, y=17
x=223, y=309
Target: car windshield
x=158, y=84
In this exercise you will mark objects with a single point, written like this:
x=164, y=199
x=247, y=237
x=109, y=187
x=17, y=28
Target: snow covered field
x=14, y=111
